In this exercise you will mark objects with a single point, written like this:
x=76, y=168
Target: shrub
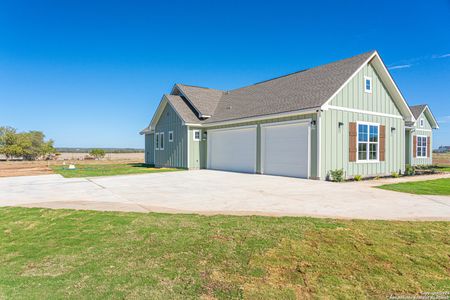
x=97, y=153
x=357, y=178
x=337, y=175
x=395, y=175
x=410, y=170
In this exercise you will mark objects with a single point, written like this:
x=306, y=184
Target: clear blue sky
x=91, y=73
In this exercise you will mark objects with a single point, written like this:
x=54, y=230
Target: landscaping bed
x=85, y=254
x=428, y=187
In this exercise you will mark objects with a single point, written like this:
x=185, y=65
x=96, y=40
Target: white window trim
x=368, y=138
x=422, y=122
x=170, y=136
x=161, y=139
x=371, y=84
x=157, y=141
x=417, y=146
x=199, y=135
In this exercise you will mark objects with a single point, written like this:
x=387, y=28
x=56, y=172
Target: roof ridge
x=304, y=70
x=200, y=87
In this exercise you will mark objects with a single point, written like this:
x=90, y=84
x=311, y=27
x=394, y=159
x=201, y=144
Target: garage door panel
x=232, y=150
x=285, y=149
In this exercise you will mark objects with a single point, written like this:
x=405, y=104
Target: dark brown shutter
x=428, y=146
x=382, y=142
x=352, y=141
x=414, y=146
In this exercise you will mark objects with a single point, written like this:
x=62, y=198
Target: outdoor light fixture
x=340, y=124
x=392, y=129
x=313, y=122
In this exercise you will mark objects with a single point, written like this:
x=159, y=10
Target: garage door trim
x=304, y=122
x=208, y=153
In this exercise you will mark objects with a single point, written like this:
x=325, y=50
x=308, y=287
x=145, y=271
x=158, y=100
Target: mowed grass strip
x=91, y=170
x=48, y=254
x=428, y=187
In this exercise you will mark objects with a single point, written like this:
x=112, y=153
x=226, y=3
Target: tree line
x=29, y=145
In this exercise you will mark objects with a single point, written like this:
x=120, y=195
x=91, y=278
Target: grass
x=91, y=170
x=428, y=187
x=49, y=254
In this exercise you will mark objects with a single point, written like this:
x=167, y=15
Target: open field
x=442, y=159
x=85, y=254
x=91, y=170
x=25, y=168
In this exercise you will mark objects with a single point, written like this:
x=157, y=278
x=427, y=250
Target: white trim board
x=367, y=112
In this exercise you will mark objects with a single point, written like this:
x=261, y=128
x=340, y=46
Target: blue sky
x=91, y=73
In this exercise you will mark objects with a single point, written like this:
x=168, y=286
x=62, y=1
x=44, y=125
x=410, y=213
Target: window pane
x=419, y=141
x=162, y=141
x=367, y=84
x=362, y=133
x=373, y=134
x=373, y=151
x=362, y=151
x=424, y=141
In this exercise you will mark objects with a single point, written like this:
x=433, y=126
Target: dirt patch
x=30, y=168
x=50, y=266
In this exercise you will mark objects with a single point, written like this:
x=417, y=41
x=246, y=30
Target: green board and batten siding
x=335, y=139
x=174, y=153
x=201, y=147
x=426, y=130
x=149, y=149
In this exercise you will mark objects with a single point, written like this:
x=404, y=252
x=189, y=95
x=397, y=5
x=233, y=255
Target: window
x=367, y=84
x=196, y=135
x=368, y=142
x=156, y=141
x=422, y=122
x=170, y=136
x=422, y=146
x=161, y=142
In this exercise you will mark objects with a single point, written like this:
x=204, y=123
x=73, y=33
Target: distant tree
x=97, y=153
x=29, y=145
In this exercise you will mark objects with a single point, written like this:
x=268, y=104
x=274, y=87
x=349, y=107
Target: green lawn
x=89, y=170
x=428, y=187
x=48, y=254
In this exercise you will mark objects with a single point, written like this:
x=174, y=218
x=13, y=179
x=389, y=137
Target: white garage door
x=232, y=149
x=285, y=149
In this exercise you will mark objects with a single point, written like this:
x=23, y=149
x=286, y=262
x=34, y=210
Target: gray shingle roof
x=204, y=99
x=417, y=110
x=305, y=89
x=183, y=109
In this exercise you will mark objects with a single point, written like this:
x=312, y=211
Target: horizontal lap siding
x=174, y=153
x=313, y=146
x=335, y=139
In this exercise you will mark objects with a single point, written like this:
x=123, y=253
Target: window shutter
x=352, y=141
x=414, y=149
x=382, y=143
x=428, y=146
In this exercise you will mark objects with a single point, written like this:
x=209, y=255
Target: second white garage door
x=232, y=149
x=285, y=149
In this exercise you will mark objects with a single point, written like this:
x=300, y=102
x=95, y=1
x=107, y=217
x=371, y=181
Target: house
x=347, y=115
x=418, y=136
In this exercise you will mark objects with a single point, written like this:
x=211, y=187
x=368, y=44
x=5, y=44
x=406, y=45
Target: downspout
x=319, y=158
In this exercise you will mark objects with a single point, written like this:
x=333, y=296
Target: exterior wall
x=353, y=95
x=174, y=153
x=149, y=149
x=426, y=130
x=202, y=146
x=335, y=139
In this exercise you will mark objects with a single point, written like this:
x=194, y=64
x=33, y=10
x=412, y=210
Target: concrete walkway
x=214, y=192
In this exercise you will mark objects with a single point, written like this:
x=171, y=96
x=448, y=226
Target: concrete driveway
x=212, y=192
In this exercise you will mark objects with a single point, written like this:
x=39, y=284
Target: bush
x=337, y=175
x=357, y=178
x=97, y=153
x=395, y=175
x=410, y=170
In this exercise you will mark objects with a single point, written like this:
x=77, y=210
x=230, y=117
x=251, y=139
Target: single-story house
x=347, y=115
